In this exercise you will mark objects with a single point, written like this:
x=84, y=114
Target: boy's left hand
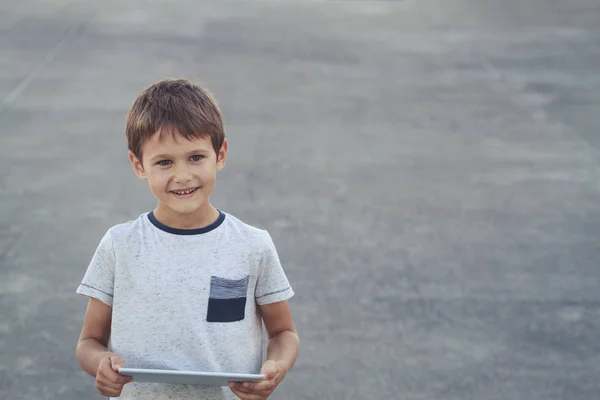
x=260, y=390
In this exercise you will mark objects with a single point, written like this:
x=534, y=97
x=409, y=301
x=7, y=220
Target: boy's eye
x=196, y=157
x=164, y=162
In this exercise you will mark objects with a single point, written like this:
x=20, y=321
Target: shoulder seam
x=112, y=246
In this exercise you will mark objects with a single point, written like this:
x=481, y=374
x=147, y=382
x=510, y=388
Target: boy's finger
x=238, y=386
x=266, y=384
x=235, y=389
x=109, y=390
x=248, y=385
x=238, y=389
x=115, y=377
x=244, y=395
x=123, y=379
x=270, y=370
x=260, y=386
x=107, y=381
x=116, y=362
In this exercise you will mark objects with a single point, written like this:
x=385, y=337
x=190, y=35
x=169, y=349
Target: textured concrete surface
x=428, y=169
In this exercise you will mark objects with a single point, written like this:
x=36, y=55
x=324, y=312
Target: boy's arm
x=92, y=350
x=92, y=346
x=284, y=343
x=282, y=352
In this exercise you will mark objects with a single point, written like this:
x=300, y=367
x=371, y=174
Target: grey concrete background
x=428, y=169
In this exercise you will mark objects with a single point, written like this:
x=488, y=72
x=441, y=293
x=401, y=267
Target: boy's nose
x=182, y=174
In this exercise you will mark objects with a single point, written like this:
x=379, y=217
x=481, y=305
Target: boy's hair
x=176, y=107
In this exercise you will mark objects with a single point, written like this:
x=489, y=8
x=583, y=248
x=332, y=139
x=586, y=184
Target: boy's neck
x=199, y=219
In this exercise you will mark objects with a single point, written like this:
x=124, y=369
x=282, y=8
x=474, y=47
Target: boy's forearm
x=283, y=348
x=89, y=354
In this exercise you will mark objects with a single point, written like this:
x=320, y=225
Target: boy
x=185, y=286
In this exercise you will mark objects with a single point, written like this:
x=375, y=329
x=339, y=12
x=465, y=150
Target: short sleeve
x=98, y=281
x=272, y=285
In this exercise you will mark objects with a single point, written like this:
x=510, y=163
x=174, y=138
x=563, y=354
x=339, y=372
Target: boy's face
x=181, y=173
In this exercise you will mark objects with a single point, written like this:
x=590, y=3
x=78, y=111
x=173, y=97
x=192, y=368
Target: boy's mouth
x=184, y=192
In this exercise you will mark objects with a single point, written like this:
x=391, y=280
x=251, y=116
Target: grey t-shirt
x=186, y=299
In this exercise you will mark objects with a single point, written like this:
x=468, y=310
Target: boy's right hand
x=108, y=381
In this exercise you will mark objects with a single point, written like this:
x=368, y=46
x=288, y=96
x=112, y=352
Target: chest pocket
x=227, y=302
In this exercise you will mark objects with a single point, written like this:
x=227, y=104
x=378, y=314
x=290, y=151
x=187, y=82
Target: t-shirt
x=186, y=299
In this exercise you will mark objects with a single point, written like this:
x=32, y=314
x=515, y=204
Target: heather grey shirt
x=186, y=299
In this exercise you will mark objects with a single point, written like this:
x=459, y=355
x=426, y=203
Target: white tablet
x=187, y=377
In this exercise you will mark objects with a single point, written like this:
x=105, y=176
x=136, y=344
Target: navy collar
x=179, y=231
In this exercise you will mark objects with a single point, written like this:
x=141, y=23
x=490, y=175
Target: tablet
x=187, y=377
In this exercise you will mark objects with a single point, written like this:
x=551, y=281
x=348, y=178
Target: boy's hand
x=108, y=381
x=260, y=390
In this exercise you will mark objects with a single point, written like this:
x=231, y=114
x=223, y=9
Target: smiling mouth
x=185, y=191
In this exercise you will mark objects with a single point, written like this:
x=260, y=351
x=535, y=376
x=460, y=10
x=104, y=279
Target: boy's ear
x=222, y=156
x=138, y=168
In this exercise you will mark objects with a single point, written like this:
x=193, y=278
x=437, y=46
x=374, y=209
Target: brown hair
x=175, y=106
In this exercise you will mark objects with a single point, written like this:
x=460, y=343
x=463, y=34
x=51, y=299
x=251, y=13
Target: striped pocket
x=227, y=302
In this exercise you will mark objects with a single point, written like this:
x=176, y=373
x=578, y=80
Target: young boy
x=185, y=286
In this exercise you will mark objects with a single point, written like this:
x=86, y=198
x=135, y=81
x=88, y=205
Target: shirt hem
x=275, y=297
x=89, y=291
